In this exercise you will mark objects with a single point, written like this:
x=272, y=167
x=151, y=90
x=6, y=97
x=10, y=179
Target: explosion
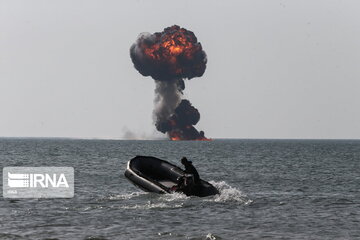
x=169, y=57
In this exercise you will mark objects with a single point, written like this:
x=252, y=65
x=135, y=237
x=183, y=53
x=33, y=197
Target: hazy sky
x=276, y=69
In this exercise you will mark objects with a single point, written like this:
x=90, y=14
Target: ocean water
x=270, y=189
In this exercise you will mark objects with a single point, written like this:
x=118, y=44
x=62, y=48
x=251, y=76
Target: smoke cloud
x=169, y=57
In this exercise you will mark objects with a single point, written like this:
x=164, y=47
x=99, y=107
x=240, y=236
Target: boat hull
x=155, y=175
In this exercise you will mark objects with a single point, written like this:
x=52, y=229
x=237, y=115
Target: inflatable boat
x=155, y=175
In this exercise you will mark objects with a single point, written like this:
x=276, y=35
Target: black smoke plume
x=169, y=57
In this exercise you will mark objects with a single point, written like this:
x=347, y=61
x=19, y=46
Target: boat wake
x=145, y=200
x=142, y=200
x=229, y=194
x=174, y=197
x=152, y=205
x=126, y=196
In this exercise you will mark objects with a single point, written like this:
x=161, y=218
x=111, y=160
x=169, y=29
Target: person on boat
x=188, y=183
x=190, y=169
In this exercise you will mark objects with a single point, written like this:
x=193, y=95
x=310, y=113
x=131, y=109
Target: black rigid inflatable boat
x=155, y=175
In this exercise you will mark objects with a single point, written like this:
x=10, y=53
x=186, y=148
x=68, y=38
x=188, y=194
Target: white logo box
x=38, y=182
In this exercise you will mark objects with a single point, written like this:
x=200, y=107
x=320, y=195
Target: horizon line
x=166, y=139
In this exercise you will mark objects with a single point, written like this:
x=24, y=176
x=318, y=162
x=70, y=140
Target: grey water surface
x=270, y=189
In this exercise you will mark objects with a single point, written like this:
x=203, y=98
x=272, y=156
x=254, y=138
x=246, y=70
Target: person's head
x=184, y=160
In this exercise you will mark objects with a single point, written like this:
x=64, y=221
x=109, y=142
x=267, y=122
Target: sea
x=269, y=189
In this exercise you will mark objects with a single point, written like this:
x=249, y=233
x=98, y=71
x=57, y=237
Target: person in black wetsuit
x=190, y=169
x=189, y=185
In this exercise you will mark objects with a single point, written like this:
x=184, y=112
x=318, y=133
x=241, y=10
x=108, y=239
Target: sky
x=276, y=68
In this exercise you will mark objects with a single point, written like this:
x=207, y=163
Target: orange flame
x=171, y=45
x=177, y=136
